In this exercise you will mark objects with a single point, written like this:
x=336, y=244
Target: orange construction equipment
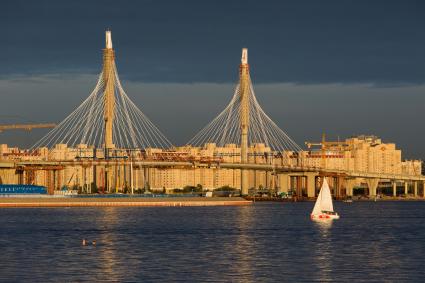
x=27, y=127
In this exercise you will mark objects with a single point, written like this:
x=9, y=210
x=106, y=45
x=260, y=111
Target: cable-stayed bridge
x=243, y=122
x=110, y=121
x=109, y=131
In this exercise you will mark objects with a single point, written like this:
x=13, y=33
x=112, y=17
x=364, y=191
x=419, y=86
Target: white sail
x=324, y=200
x=318, y=205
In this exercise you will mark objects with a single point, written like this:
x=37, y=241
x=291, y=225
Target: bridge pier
x=349, y=185
x=340, y=181
x=29, y=177
x=311, y=184
x=55, y=182
x=107, y=179
x=298, y=183
x=372, y=184
x=273, y=181
x=50, y=181
x=146, y=178
x=283, y=183
x=94, y=173
x=84, y=176
x=20, y=173
x=61, y=179
x=135, y=179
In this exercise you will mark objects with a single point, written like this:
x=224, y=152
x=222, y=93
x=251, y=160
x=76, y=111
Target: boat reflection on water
x=323, y=226
x=322, y=247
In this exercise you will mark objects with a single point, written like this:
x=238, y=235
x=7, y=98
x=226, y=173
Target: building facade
x=358, y=154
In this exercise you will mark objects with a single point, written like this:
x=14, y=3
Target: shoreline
x=40, y=202
x=16, y=202
x=305, y=199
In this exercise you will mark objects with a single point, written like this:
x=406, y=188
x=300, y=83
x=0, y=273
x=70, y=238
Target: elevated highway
x=199, y=164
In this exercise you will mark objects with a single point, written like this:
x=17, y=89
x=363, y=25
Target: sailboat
x=323, y=208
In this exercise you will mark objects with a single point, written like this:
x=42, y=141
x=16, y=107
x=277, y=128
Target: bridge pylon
x=244, y=121
x=109, y=92
x=107, y=118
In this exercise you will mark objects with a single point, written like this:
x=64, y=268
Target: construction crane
x=327, y=145
x=27, y=127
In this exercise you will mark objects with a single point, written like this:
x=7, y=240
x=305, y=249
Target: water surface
x=265, y=242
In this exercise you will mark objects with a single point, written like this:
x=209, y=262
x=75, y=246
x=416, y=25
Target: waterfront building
x=363, y=154
x=360, y=154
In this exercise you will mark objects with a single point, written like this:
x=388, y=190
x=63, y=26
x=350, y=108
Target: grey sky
x=344, y=67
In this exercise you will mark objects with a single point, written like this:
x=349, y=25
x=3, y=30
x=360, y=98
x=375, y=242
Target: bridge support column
x=283, y=183
x=84, y=177
x=394, y=188
x=110, y=178
x=50, y=180
x=94, y=180
x=244, y=182
x=135, y=179
x=349, y=185
x=372, y=183
x=415, y=188
x=298, y=186
x=20, y=176
x=273, y=182
x=311, y=185
x=55, y=180
x=146, y=178
x=338, y=186
x=406, y=188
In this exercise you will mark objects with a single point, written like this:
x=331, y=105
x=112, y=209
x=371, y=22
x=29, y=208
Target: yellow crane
x=27, y=127
x=327, y=145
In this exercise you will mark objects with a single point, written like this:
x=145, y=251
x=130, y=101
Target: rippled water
x=265, y=242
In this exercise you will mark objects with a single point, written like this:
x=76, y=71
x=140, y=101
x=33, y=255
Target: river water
x=264, y=242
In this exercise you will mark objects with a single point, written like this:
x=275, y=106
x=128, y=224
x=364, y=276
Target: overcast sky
x=343, y=67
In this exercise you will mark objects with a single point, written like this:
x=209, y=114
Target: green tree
x=199, y=187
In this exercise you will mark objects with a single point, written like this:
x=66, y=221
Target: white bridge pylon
x=226, y=127
x=131, y=129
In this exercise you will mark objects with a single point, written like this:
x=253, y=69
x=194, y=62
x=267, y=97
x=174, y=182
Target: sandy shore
x=143, y=202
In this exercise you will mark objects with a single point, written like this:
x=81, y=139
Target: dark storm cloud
x=200, y=41
x=340, y=67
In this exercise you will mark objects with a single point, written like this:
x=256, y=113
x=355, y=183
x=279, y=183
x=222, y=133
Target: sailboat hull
x=324, y=216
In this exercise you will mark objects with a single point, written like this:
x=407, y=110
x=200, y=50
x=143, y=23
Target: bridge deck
x=249, y=166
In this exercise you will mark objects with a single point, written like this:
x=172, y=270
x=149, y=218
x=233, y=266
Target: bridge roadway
x=198, y=164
